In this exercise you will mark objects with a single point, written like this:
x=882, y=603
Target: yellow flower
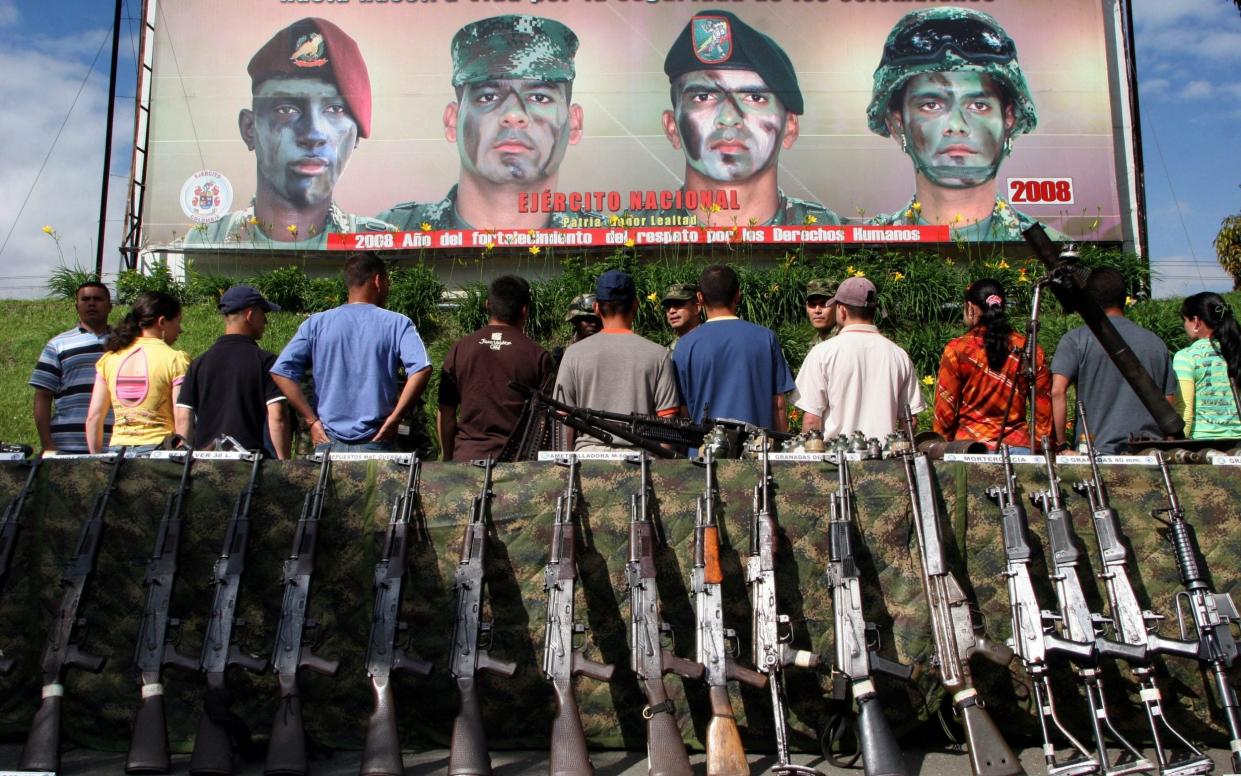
x=810, y=219
x=652, y=297
x=956, y=219
x=1129, y=301
x=1021, y=278
x=928, y=380
x=491, y=245
x=254, y=221
x=292, y=229
x=715, y=207
x=629, y=243
x=424, y=226
x=1002, y=265
x=613, y=220
x=1001, y=205
x=753, y=222
x=898, y=275
x=1093, y=225
x=534, y=249
x=857, y=273
x=531, y=233
x=909, y=214
x=916, y=206
x=849, y=269
x=48, y=229
x=775, y=287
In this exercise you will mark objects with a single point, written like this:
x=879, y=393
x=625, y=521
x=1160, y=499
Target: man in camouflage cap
x=681, y=309
x=950, y=91
x=821, y=307
x=512, y=122
x=735, y=105
x=311, y=103
x=582, y=317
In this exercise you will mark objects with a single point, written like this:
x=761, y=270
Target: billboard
x=296, y=125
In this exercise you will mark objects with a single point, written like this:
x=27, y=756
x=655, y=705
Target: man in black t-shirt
x=477, y=408
x=228, y=390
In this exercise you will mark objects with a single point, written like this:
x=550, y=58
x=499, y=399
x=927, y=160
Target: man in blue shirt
x=353, y=352
x=730, y=368
x=65, y=374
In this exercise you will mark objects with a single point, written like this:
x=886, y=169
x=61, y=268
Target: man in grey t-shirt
x=1114, y=410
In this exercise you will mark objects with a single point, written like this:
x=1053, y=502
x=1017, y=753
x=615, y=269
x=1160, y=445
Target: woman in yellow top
x=138, y=377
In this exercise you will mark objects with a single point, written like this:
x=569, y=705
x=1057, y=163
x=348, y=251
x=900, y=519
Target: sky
x=55, y=56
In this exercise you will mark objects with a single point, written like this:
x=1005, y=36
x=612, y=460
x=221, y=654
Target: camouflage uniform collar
x=1001, y=213
x=336, y=220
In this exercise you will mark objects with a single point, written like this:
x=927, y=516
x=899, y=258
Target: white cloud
x=9, y=15
x=1162, y=12
x=1198, y=90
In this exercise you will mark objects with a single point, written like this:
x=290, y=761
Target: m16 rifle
x=650, y=660
x=62, y=652
x=471, y=638
x=1134, y=625
x=10, y=528
x=381, y=753
x=1214, y=614
x=562, y=659
x=1081, y=625
x=953, y=630
x=1032, y=640
x=148, y=748
x=857, y=641
x=286, y=754
x=715, y=643
x=213, y=749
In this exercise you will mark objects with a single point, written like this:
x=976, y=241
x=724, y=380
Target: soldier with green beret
x=820, y=307
x=682, y=309
x=735, y=105
x=950, y=91
x=512, y=121
x=311, y=104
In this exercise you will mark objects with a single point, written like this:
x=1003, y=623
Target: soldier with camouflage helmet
x=682, y=310
x=311, y=104
x=512, y=121
x=820, y=310
x=950, y=91
x=582, y=317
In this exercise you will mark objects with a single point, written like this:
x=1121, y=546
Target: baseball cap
x=239, y=298
x=820, y=287
x=513, y=46
x=680, y=292
x=615, y=286
x=856, y=292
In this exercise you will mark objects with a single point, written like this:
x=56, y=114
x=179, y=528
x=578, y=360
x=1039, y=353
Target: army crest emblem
x=713, y=39
x=309, y=51
x=206, y=196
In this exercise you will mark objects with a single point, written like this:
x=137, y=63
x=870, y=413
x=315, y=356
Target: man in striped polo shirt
x=65, y=373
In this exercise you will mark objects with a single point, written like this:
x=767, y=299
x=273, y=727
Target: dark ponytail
x=148, y=308
x=1212, y=310
x=988, y=295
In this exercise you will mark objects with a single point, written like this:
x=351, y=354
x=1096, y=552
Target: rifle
x=286, y=752
x=148, y=747
x=953, y=621
x=650, y=660
x=716, y=644
x=1134, y=625
x=592, y=423
x=381, y=754
x=1080, y=624
x=857, y=641
x=1032, y=640
x=62, y=651
x=1214, y=614
x=471, y=639
x=562, y=660
x=213, y=750
x=10, y=527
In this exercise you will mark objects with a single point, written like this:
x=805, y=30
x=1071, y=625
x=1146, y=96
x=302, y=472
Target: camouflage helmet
x=936, y=40
x=581, y=306
x=513, y=46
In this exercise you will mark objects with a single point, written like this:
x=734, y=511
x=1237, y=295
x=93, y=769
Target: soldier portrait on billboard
x=735, y=106
x=311, y=103
x=950, y=91
x=512, y=122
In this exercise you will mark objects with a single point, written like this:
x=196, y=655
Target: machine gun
x=715, y=643
x=148, y=747
x=381, y=753
x=953, y=630
x=857, y=641
x=10, y=528
x=1214, y=614
x=471, y=638
x=213, y=750
x=562, y=659
x=650, y=660
x=1134, y=625
x=62, y=651
x=1032, y=640
x=1079, y=624
x=286, y=754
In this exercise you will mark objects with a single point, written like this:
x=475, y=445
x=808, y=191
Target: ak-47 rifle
x=1081, y=625
x=286, y=753
x=10, y=528
x=1214, y=614
x=953, y=619
x=1134, y=625
x=148, y=747
x=218, y=725
x=381, y=754
x=650, y=660
x=716, y=644
x=471, y=638
x=562, y=659
x=42, y=750
x=1032, y=640
x=857, y=641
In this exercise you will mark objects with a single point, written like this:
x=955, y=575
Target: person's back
x=730, y=368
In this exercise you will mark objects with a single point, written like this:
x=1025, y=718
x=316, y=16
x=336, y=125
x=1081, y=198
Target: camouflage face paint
x=513, y=131
x=730, y=123
x=955, y=124
x=303, y=138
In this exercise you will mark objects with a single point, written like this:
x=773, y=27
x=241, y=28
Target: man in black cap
x=228, y=390
x=735, y=105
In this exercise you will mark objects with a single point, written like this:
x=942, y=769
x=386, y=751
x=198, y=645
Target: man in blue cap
x=616, y=370
x=228, y=391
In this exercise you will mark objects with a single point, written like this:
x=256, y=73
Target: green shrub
x=286, y=286
x=205, y=288
x=324, y=293
x=130, y=283
x=417, y=291
x=64, y=281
